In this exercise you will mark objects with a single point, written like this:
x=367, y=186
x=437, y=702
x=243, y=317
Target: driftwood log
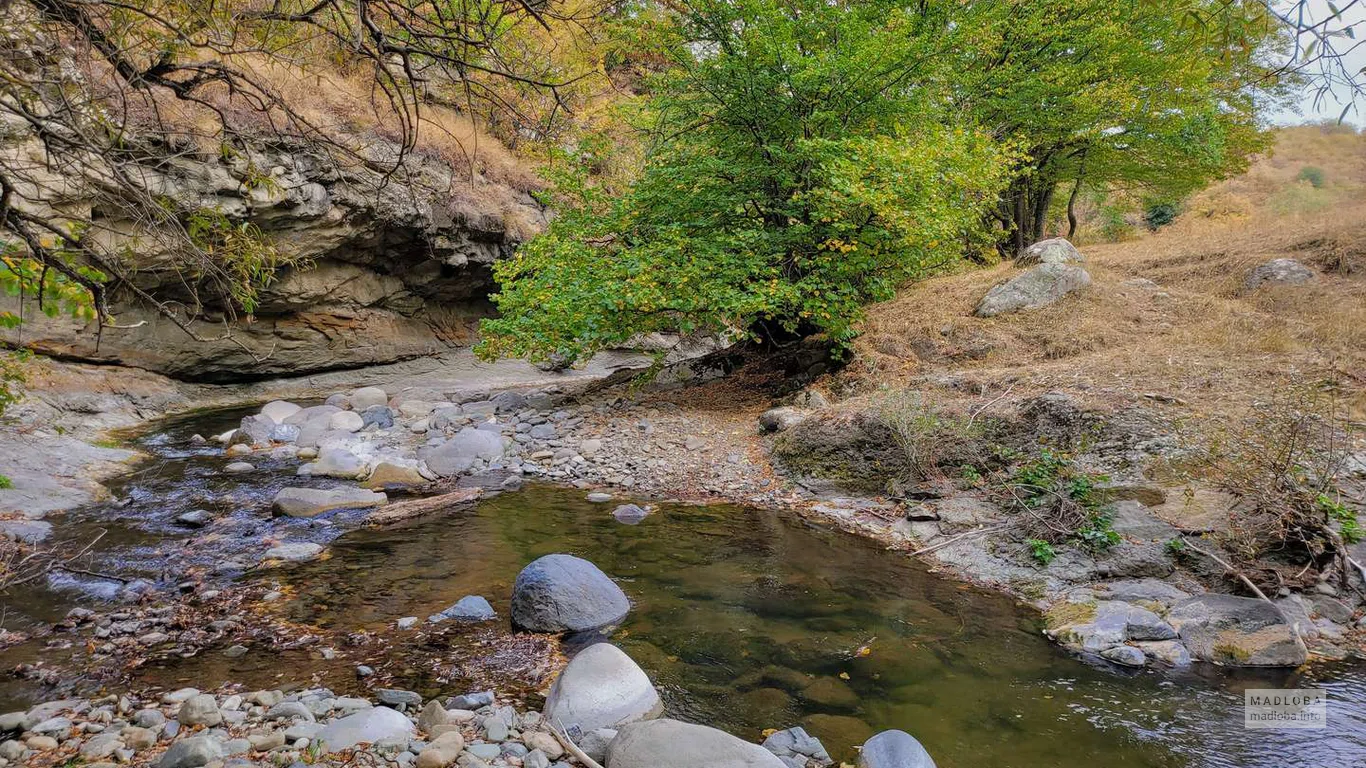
x=406, y=510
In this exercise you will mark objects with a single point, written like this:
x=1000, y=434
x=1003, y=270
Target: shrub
x=1312, y=174
x=1061, y=503
x=1160, y=214
x=5, y=483
x=1282, y=461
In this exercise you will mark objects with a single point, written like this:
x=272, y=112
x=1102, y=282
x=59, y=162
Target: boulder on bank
x=308, y=502
x=1237, y=631
x=1055, y=250
x=1034, y=289
x=602, y=688
x=672, y=744
x=279, y=410
x=563, y=593
x=461, y=452
x=1279, y=272
x=254, y=431
x=894, y=749
x=367, y=396
x=780, y=419
x=364, y=727
x=338, y=462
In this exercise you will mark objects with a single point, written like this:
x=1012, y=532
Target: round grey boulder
x=1279, y=272
x=672, y=744
x=367, y=396
x=563, y=593
x=279, y=410
x=365, y=727
x=894, y=749
x=602, y=688
x=1055, y=250
x=461, y=452
x=1033, y=289
x=191, y=753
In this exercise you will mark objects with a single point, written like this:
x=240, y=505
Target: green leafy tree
x=1141, y=96
x=803, y=164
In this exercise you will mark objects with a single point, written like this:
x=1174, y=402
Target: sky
x=1333, y=103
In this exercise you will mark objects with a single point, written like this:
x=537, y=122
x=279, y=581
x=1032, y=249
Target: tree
x=1127, y=95
x=99, y=95
x=803, y=163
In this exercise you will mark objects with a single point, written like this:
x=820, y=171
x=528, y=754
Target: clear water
x=749, y=619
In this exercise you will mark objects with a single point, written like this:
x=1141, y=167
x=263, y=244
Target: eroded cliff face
x=391, y=266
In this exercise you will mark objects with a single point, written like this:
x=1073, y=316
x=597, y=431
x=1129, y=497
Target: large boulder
x=894, y=749
x=1033, y=289
x=1279, y=272
x=1237, y=631
x=563, y=593
x=460, y=453
x=1098, y=627
x=308, y=502
x=1056, y=250
x=365, y=727
x=602, y=688
x=673, y=744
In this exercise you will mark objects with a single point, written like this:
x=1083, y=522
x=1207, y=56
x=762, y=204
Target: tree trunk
x=1042, y=199
x=1071, y=209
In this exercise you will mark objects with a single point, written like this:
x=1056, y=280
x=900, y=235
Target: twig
x=998, y=399
x=959, y=537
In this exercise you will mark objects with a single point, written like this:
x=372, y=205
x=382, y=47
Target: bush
x=1158, y=215
x=5, y=483
x=1061, y=503
x=1282, y=461
x=1312, y=174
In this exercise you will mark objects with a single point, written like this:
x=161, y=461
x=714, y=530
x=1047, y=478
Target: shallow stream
x=746, y=619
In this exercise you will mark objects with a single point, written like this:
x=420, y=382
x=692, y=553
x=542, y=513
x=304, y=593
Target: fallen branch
x=573, y=748
x=1228, y=568
x=959, y=537
x=406, y=510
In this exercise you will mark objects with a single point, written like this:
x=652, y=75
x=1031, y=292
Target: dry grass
x=348, y=108
x=1193, y=336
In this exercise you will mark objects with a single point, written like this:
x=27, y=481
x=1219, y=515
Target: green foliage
x=1061, y=502
x=11, y=378
x=799, y=171
x=1159, y=214
x=1175, y=547
x=1042, y=552
x=1335, y=511
x=55, y=292
x=5, y=483
x=1312, y=174
x=240, y=249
